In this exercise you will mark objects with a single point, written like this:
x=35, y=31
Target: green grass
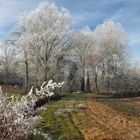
x=61, y=126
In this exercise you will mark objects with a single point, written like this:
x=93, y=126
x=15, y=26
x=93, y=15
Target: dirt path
x=122, y=126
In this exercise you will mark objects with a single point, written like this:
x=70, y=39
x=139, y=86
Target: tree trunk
x=82, y=84
x=6, y=79
x=26, y=73
x=46, y=75
x=96, y=83
x=88, y=83
x=83, y=79
x=46, y=66
x=108, y=84
x=96, y=79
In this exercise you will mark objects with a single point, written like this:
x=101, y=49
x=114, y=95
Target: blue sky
x=84, y=13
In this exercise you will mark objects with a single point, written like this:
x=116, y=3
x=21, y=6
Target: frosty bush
x=18, y=117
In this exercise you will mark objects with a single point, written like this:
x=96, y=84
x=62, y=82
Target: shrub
x=18, y=117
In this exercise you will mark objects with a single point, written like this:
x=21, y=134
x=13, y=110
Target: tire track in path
x=121, y=125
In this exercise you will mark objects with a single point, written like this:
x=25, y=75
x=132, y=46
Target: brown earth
x=119, y=126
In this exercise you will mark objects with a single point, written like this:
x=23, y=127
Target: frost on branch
x=18, y=117
x=46, y=89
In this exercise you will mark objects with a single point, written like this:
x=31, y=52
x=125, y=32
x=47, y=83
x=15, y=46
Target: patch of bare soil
x=120, y=125
x=97, y=134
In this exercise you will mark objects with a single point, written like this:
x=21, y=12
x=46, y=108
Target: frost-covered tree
x=42, y=34
x=111, y=42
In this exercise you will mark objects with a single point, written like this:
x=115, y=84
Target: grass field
x=81, y=117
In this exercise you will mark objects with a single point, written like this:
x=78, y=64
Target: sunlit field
x=89, y=118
